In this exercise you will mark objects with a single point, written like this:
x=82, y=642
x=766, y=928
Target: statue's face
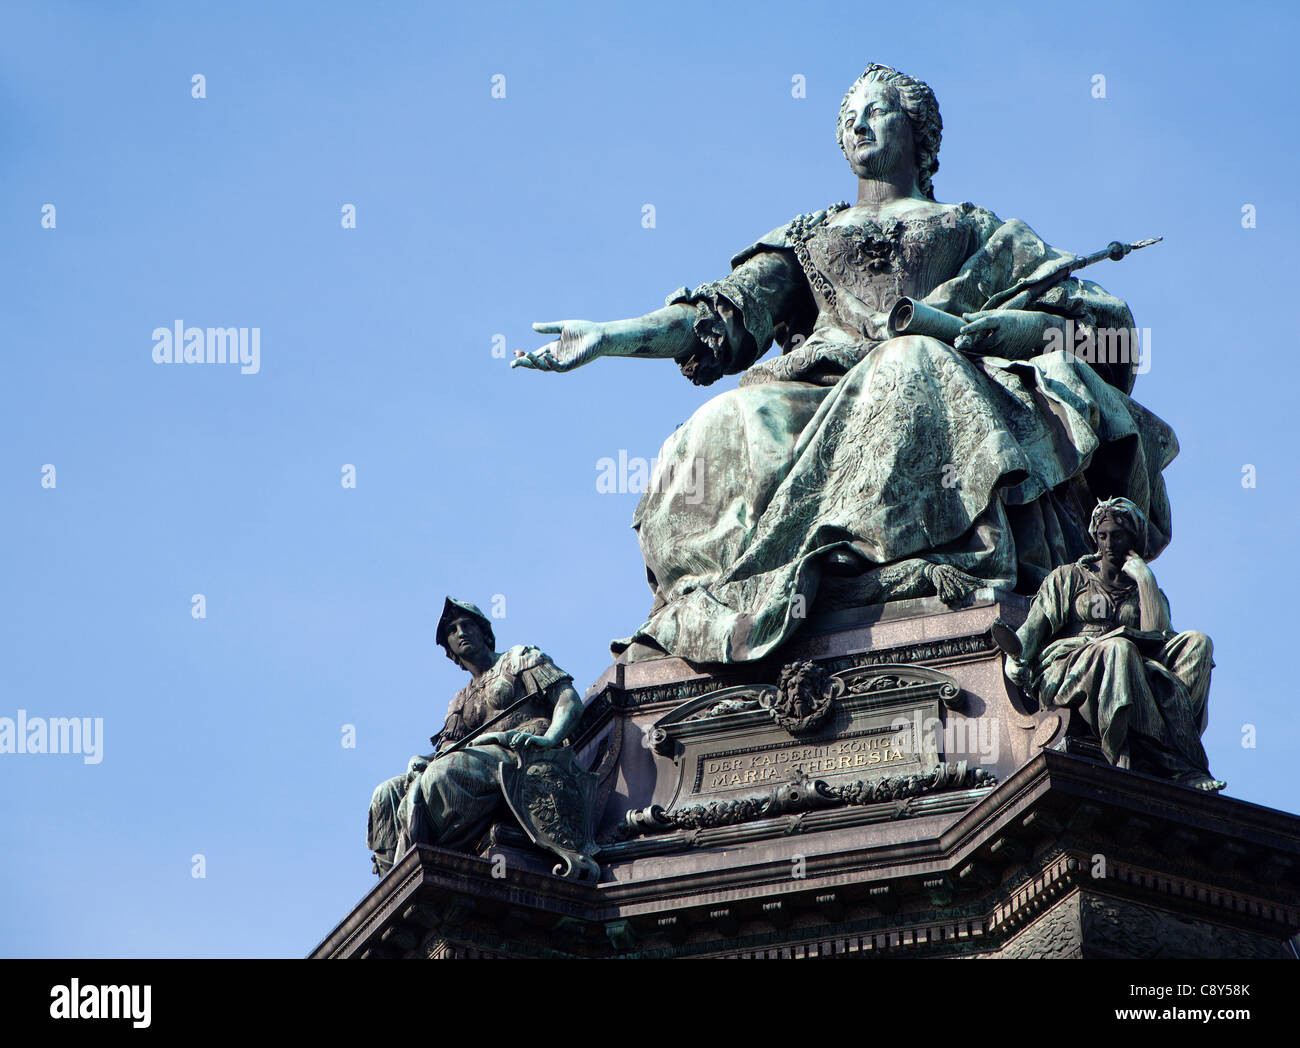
x=1114, y=541
x=465, y=637
x=876, y=134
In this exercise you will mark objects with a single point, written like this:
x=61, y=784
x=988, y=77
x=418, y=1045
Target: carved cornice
x=764, y=674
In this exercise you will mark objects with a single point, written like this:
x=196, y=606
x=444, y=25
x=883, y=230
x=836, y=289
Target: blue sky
x=475, y=217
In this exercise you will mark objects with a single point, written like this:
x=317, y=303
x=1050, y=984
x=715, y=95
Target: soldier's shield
x=554, y=801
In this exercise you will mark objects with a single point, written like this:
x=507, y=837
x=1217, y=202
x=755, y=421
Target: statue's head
x=885, y=115
x=804, y=697
x=1118, y=526
x=465, y=633
x=801, y=682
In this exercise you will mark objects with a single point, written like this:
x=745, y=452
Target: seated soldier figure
x=449, y=798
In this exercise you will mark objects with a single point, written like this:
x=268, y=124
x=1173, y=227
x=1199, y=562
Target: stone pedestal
x=930, y=811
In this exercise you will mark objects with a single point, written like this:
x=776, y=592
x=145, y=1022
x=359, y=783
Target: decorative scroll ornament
x=802, y=794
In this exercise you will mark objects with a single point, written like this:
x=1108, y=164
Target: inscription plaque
x=885, y=721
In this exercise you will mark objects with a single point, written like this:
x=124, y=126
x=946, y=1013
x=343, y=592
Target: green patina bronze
x=450, y=797
x=1099, y=640
x=860, y=466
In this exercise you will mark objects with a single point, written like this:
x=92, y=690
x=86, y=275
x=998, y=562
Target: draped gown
x=902, y=449
x=1146, y=700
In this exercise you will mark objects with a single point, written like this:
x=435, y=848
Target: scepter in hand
x=913, y=317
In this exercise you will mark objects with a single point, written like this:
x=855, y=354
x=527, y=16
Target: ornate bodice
x=858, y=270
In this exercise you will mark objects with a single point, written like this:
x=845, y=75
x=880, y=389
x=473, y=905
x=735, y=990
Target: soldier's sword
x=461, y=743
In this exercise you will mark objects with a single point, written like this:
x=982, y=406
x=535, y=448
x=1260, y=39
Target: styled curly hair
x=922, y=110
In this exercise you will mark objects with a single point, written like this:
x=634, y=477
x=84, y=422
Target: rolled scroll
x=910, y=317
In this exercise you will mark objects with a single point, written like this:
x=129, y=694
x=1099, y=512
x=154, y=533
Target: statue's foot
x=852, y=581
x=1205, y=782
x=950, y=584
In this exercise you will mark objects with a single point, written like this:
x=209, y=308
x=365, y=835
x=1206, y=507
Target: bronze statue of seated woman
x=889, y=466
x=1098, y=640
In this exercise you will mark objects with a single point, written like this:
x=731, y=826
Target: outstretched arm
x=666, y=332
x=718, y=329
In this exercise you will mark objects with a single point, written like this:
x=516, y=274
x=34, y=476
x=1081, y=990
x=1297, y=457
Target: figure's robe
x=1145, y=699
x=902, y=449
